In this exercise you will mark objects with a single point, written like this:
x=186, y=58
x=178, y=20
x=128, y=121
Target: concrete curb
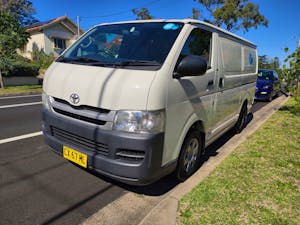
x=165, y=211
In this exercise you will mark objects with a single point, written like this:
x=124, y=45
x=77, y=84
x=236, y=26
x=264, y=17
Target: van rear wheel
x=190, y=155
x=242, y=120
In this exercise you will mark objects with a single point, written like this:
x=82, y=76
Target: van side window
x=198, y=43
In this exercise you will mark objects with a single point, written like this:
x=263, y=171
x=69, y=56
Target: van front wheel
x=190, y=155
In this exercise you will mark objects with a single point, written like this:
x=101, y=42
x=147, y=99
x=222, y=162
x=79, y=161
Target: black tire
x=242, y=120
x=190, y=155
x=270, y=98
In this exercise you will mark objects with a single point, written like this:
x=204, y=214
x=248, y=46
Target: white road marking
x=19, y=96
x=18, y=105
x=7, y=140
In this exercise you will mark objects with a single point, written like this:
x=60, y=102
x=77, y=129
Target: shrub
x=297, y=103
x=42, y=59
x=20, y=66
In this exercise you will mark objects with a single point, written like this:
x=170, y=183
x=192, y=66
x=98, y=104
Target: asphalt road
x=36, y=185
x=39, y=187
x=20, y=99
x=18, y=120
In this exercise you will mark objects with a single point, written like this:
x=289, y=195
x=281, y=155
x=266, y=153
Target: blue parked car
x=267, y=85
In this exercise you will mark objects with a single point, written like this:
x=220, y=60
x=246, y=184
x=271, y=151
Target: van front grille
x=80, y=117
x=130, y=155
x=78, y=141
x=83, y=107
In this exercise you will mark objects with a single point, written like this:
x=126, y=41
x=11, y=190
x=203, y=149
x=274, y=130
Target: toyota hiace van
x=137, y=100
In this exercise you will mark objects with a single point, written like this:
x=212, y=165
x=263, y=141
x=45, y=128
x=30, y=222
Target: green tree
x=142, y=14
x=292, y=71
x=276, y=63
x=21, y=9
x=12, y=36
x=195, y=13
x=232, y=15
x=264, y=62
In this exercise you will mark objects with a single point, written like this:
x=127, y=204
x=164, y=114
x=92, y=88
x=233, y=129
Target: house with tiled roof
x=51, y=37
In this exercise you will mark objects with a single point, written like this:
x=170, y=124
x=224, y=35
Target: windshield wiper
x=80, y=59
x=139, y=63
x=95, y=62
x=88, y=61
x=127, y=63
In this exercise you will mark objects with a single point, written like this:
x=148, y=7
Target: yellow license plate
x=75, y=156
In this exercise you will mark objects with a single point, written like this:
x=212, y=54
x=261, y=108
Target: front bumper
x=262, y=94
x=129, y=158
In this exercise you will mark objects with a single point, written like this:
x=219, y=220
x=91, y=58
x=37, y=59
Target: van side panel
x=229, y=81
x=180, y=117
x=237, y=65
x=189, y=99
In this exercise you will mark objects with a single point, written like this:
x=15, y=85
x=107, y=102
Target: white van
x=138, y=100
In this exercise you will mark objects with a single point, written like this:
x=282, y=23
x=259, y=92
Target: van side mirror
x=191, y=65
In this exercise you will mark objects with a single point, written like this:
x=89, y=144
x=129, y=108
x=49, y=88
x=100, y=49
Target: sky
x=283, y=16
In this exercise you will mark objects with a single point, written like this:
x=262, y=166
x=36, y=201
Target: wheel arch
x=180, y=172
x=194, y=123
x=246, y=100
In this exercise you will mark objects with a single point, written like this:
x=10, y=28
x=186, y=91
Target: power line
x=117, y=13
x=79, y=18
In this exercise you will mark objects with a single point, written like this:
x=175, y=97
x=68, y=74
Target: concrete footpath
x=141, y=209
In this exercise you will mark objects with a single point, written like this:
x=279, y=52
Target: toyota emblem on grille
x=74, y=98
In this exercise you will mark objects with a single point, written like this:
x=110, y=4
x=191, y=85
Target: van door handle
x=210, y=85
x=221, y=82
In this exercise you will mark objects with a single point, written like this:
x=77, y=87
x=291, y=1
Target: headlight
x=139, y=121
x=45, y=100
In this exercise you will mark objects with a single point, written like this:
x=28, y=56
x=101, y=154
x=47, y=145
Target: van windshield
x=265, y=75
x=139, y=45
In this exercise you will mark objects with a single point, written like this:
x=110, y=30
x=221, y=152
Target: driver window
x=198, y=43
x=100, y=45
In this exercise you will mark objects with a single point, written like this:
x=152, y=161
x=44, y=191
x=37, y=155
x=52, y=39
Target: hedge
x=20, y=66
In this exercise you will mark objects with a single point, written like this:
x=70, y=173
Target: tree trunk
x=1, y=81
x=297, y=85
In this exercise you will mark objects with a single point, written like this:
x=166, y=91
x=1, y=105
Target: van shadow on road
x=167, y=183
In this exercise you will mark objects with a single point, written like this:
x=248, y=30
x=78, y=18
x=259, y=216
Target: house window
x=59, y=43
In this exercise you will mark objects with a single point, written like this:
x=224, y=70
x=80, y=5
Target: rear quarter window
x=231, y=55
x=249, y=65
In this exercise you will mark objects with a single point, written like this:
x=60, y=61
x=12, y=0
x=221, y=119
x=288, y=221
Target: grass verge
x=259, y=183
x=26, y=89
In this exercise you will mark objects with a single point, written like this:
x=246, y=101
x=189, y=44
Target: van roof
x=186, y=21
